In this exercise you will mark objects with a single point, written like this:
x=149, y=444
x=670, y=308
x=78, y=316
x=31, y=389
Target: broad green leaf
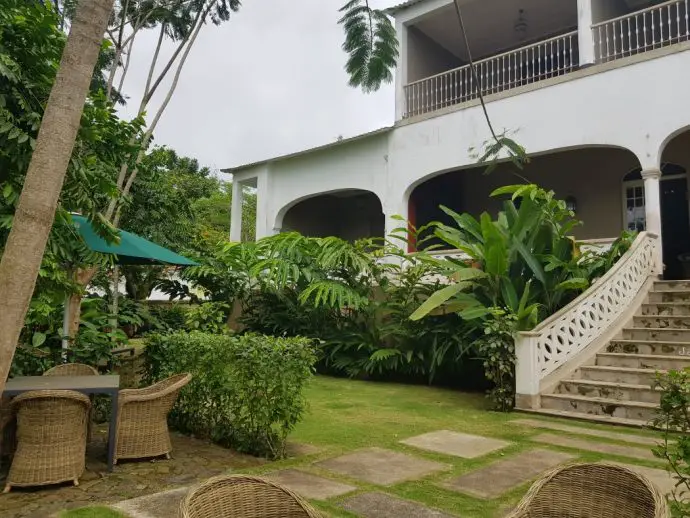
x=38, y=339
x=577, y=283
x=437, y=299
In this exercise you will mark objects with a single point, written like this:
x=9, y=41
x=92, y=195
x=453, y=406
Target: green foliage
x=246, y=392
x=523, y=266
x=209, y=317
x=497, y=350
x=170, y=317
x=371, y=44
x=40, y=345
x=674, y=421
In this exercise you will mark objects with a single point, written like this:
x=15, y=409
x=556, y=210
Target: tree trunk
x=38, y=201
x=83, y=277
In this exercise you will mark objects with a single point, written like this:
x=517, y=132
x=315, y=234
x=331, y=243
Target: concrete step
x=617, y=375
x=666, y=308
x=655, y=333
x=662, y=321
x=677, y=295
x=679, y=285
x=643, y=361
x=605, y=389
x=650, y=347
x=636, y=410
x=605, y=419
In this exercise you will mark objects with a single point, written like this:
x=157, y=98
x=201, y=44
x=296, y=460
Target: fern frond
x=332, y=294
x=371, y=43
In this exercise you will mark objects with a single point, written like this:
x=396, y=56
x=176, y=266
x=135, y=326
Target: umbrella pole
x=65, y=328
x=115, y=298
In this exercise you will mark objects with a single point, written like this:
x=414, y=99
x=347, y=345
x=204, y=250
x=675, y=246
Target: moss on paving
x=92, y=512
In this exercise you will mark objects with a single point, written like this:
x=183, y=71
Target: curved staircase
x=616, y=385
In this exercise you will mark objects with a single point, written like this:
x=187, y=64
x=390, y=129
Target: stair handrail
x=573, y=328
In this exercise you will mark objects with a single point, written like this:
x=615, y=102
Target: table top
x=104, y=384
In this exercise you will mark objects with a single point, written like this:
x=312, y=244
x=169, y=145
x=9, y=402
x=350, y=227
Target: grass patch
x=92, y=512
x=346, y=415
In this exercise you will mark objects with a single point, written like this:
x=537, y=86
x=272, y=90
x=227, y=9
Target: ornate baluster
x=687, y=21
x=637, y=33
x=644, y=27
x=653, y=30
x=608, y=51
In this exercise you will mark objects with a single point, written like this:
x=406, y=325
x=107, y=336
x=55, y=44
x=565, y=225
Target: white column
x=585, y=35
x=527, y=375
x=264, y=227
x=401, y=71
x=652, y=205
x=236, y=211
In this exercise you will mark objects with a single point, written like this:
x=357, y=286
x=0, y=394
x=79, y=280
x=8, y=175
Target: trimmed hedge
x=246, y=391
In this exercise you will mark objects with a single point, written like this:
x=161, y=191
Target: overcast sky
x=267, y=82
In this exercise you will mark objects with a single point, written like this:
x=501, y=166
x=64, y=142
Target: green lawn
x=346, y=415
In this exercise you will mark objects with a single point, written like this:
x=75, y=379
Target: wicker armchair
x=72, y=369
x=142, y=425
x=592, y=491
x=77, y=369
x=51, y=438
x=244, y=496
x=8, y=428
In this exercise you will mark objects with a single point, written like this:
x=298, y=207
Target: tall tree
x=38, y=201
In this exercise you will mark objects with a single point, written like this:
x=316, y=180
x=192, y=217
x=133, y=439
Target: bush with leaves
x=674, y=421
x=522, y=267
x=209, y=317
x=246, y=391
x=497, y=351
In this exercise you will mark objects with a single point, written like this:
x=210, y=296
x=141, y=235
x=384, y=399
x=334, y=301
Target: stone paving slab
x=158, y=505
x=625, y=437
x=498, y=477
x=308, y=485
x=456, y=444
x=599, y=447
x=381, y=505
x=381, y=466
x=659, y=477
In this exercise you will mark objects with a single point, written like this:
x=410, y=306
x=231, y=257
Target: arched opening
x=589, y=178
x=675, y=211
x=350, y=214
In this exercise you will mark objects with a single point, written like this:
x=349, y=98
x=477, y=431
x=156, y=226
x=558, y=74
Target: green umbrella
x=131, y=249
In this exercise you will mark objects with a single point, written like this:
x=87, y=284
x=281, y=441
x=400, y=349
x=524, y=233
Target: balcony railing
x=644, y=30
x=542, y=60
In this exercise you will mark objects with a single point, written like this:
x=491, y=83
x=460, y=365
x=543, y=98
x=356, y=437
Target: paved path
x=365, y=482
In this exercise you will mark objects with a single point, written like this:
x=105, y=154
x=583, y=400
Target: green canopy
x=131, y=249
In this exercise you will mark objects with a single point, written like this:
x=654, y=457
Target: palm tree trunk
x=38, y=201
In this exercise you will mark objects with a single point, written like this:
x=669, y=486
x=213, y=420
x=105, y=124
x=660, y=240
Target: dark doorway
x=675, y=225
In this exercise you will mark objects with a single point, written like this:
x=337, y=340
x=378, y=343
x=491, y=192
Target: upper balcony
x=514, y=45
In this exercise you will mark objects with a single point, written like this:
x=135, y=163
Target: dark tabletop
x=105, y=384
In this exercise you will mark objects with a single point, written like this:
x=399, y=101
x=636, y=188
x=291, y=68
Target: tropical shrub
x=523, y=266
x=674, y=421
x=246, y=391
x=209, y=317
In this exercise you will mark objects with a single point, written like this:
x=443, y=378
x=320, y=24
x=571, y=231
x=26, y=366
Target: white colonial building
x=598, y=93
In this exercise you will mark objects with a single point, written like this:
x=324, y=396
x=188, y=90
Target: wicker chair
x=51, y=438
x=244, y=496
x=142, y=425
x=77, y=369
x=72, y=369
x=592, y=491
x=8, y=428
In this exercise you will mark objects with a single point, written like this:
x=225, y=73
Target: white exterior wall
x=637, y=104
